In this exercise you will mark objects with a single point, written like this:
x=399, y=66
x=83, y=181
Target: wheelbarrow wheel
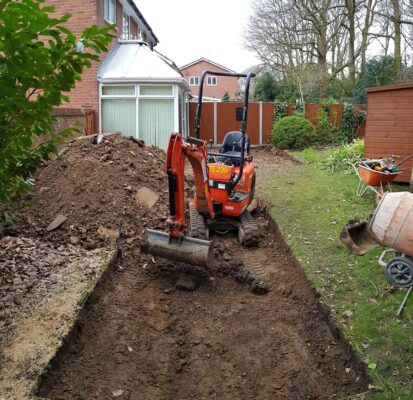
x=399, y=271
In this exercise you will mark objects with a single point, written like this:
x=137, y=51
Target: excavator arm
x=177, y=245
x=196, y=152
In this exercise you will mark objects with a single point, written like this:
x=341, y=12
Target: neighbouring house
x=130, y=25
x=215, y=86
x=389, y=125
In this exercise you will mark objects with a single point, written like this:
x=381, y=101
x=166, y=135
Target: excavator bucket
x=188, y=250
x=357, y=237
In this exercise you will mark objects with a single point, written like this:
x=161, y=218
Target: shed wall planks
x=389, y=126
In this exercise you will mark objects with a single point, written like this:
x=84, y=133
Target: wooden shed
x=389, y=126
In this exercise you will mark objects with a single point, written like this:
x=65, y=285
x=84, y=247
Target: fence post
x=260, y=142
x=215, y=122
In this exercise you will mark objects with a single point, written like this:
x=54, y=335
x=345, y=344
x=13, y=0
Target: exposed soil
x=139, y=337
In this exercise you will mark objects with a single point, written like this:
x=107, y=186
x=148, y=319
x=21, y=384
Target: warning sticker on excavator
x=218, y=169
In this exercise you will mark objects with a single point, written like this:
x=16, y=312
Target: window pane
x=125, y=26
x=118, y=90
x=156, y=121
x=119, y=115
x=112, y=13
x=156, y=90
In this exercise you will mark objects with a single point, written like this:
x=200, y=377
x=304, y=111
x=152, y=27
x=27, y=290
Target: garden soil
x=140, y=335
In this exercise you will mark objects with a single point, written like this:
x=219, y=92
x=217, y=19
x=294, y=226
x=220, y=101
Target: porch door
x=156, y=121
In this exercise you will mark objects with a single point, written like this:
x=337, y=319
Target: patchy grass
x=311, y=206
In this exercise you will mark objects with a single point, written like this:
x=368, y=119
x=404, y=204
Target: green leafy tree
x=265, y=88
x=225, y=97
x=378, y=71
x=39, y=63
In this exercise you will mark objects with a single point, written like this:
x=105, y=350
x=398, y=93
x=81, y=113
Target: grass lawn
x=311, y=207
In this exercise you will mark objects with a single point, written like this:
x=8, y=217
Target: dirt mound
x=118, y=185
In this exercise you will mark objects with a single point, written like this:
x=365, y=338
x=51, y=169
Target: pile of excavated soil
x=118, y=185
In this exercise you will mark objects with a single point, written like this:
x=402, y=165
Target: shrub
x=343, y=157
x=280, y=111
x=34, y=78
x=352, y=119
x=325, y=130
x=292, y=133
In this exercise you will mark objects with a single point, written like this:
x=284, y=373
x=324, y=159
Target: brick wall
x=133, y=28
x=85, y=13
x=68, y=117
x=224, y=83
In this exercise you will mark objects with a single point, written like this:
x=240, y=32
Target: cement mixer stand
x=399, y=272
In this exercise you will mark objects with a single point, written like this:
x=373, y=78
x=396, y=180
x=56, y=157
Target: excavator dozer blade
x=188, y=250
x=357, y=237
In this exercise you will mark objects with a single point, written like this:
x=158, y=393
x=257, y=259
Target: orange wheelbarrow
x=372, y=179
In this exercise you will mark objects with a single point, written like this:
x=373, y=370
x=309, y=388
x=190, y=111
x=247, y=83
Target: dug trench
x=141, y=336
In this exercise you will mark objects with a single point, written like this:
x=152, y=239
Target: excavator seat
x=232, y=146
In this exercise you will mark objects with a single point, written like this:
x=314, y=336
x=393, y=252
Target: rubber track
x=250, y=235
x=197, y=225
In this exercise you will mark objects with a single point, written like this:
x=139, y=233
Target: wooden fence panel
x=207, y=120
x=90, y=122
x=335, y=114
x=311, y=112
x=226, y=120
x=267, y=121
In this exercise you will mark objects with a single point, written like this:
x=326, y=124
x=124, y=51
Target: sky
x=190, y=29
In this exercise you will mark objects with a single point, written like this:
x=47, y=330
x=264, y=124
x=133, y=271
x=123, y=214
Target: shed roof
x=390, y=87
x=133, y=61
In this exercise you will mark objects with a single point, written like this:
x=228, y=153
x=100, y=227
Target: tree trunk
x=351, y=14
x=365, y=33
x=322, y=62
x=397, y=40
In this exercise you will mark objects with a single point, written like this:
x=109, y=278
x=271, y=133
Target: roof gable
x=203, y=59
x=134, y=61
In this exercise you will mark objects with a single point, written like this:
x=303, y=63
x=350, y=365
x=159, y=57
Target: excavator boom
x=176, y=245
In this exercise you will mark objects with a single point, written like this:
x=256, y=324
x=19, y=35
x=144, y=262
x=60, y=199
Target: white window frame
x=174, y=96
x=211, y=79
x=106, y=11
x=125, y=16
x=118, y=96
x=193, y=81
x=153, y=96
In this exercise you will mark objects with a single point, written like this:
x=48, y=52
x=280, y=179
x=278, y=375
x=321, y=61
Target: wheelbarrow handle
x=404, y=160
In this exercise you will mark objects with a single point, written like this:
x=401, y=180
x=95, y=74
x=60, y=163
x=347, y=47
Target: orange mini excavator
x=224, y=187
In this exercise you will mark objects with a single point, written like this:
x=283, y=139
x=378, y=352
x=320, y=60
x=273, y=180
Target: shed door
x=156, y=121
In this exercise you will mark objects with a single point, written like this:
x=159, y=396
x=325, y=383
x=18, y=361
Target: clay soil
x=139, y=337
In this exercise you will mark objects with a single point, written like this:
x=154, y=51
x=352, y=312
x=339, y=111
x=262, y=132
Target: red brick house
x=215, y=86
x=130, y=24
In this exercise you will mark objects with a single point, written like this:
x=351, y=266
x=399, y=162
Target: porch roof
x=133, y=61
